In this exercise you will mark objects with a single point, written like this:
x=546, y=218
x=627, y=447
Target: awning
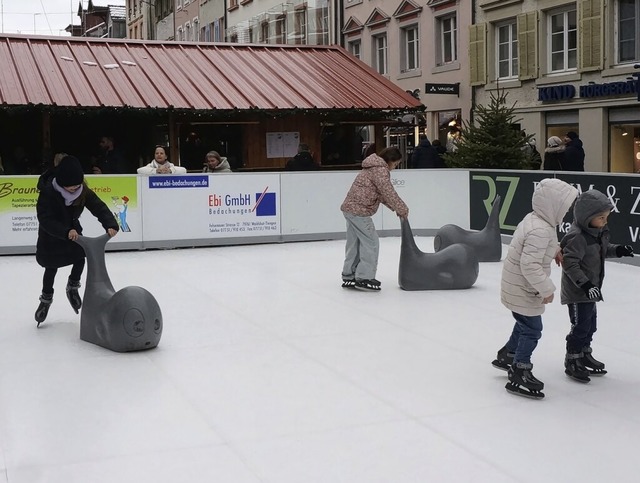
x=122, y=73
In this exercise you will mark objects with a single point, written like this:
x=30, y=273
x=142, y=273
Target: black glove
x=591, y=290
x=624, y=251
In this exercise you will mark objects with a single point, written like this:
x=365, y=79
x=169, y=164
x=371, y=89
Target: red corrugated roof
x=81, y=72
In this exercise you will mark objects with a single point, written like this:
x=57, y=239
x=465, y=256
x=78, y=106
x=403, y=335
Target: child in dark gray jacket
x=584, y=249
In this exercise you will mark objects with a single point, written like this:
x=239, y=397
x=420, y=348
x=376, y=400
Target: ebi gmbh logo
x=263, y=203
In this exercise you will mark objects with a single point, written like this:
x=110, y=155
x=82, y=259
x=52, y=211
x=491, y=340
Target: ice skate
x=72, y=294
x=593, y=366
x=503, y=360
x=372, y=285
x=43, y=309
x=574, y=367
x=348, y=283
x=523, y=383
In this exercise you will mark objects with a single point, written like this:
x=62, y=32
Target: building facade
x=212, y=20
x=421, y=46
x=568, y=66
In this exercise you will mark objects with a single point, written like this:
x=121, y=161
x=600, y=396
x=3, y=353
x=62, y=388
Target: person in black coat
x=63, y=197
x=573, y=152
x=303, y=161
x=425, y=155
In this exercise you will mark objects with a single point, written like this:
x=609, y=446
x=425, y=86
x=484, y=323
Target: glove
x=591, y=290
x=624, y=251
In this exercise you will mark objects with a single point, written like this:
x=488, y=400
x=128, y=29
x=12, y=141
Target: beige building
x=187, y=20
x=212, y=20
x=422, y=47
x=569, y=66
x=310, y=22
x=138, y=19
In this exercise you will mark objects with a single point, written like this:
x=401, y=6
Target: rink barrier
x=192, y=210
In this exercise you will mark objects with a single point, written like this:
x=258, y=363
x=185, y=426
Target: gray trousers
x=363, y=246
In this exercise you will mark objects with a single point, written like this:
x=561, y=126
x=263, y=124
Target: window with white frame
x=355, y=48
x=178, y=4
x=187, y=32
x=281, y=30
x=628, y=23
x=448, y=41
x=507, y=50
x=179, y=34
x=264, y=32
x=563, y=41
x=196, y=29
x=380, y=53
x=410, y=48
x=300, y=21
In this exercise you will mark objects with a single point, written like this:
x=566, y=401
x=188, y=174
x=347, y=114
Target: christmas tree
x=492, y=142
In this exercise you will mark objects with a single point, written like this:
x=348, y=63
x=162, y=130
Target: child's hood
x=552, y=199
x=589, y=204
x=373, y=161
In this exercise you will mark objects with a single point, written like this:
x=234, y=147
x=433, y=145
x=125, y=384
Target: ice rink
x=269, y=371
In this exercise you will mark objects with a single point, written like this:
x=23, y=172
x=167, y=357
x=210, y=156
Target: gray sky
x=50, y=17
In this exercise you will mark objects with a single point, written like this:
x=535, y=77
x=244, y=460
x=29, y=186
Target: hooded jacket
x=371, y=187
x=152, y=168
x=584, y=248
x=53, y=248
x=526, y=271
x=554, y=158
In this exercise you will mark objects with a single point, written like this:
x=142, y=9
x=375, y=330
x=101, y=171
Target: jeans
x=584, y=323
x=525, y=335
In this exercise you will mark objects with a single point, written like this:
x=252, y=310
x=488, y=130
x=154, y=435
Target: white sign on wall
x=282, y=144
x=211, y=206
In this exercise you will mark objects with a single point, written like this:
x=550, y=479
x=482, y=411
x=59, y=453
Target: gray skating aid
x=486, y=243
x=123, y=321
x=454, y=267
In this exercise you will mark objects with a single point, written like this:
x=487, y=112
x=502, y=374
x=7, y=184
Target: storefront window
x=625, y=148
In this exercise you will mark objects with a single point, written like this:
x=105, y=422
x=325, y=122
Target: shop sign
x=624, y=88
x=442, y=89
x=588, y=91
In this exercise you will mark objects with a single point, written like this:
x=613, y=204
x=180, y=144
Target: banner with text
x=211, y=206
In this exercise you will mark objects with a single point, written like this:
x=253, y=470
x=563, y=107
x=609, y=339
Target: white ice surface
x=268, y=371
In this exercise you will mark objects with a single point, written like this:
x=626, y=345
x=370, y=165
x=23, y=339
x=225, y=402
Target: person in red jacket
x=371, y=187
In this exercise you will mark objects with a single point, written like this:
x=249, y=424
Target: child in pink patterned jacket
x=371, y=187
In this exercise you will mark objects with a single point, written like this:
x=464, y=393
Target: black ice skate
x=523, y=383
x=574, y=367
x=43, y=309
x=73, y=295
x=372, y=285
x=348, y=283
x=594, y=366
x=504, y=359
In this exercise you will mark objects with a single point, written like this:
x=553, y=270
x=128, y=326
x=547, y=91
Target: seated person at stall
x=216, y=163
x=161, y=164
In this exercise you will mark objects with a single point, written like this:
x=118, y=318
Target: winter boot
x=504, y=359
x=574, y=368
x=594, y=366
x=43, y=309
x=73, y=295
x=522, y=381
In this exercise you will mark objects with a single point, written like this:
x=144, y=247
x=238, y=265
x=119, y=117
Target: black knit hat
x=69, y=172
x=572, y=135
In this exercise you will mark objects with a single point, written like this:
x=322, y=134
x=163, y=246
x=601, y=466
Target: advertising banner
x=516, y=190
x=19, y=221
x=120, y=194
x=179, y=207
